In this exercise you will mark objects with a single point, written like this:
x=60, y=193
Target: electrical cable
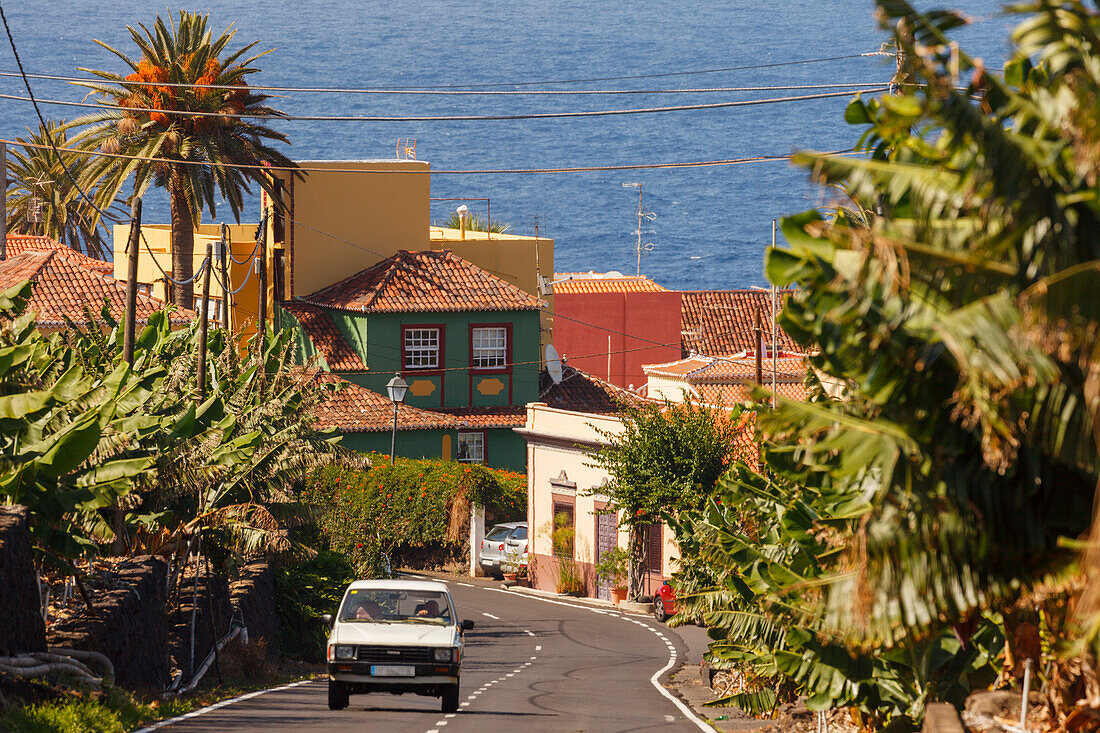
x=462, y=118
x=248, y=258
x=153, y=257
x=98, y=82
x=225, y=287
x=42, y=120
x=475, y=171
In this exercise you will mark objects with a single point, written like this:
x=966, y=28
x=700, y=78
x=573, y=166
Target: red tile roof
x=723, y=322
x=355, y=409
x=64, y=286
x=727, y=380
x=487, y=417
x=20, y=243
x=423, y=281
x=338, y=354
x=581, y=392
x=574, y=283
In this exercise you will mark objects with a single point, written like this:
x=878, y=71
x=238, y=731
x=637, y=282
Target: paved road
x=530, y=665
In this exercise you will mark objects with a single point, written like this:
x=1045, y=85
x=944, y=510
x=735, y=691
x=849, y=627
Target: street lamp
x=396, y=388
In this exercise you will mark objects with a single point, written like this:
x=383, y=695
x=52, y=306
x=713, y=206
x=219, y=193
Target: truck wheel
x=450, y=698
x=338, y=695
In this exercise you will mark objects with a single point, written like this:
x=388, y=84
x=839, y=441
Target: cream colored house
x=574, y=417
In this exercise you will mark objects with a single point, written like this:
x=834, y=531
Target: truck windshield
x=390, y=605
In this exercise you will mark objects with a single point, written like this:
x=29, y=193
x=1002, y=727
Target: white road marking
x=450, y=716
x=464, y=704
x=441, y=723
x=466, y=585
x=538, y=648
x=434, y=730
x=529, y=633
x=222, y=704
x=688, y=713
x=495, y=618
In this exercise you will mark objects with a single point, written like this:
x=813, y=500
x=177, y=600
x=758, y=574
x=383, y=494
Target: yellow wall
x=508, y=256
x=243, y=305
x=342, y=223
x=379, y=211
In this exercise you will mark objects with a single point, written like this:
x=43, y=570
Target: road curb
x=639, y=609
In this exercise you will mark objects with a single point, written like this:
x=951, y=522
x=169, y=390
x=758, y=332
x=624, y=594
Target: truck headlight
x=345, y=651
x=443, y=655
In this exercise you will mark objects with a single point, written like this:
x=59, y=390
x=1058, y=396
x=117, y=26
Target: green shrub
x=409, y=505
x=302, y=594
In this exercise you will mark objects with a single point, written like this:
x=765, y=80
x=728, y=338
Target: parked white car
x=395, y=636
x=502, y=542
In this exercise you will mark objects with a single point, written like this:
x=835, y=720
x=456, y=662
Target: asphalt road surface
x=530, y=665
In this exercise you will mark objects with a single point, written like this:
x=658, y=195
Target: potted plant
x=511, y=565
x=611, y=570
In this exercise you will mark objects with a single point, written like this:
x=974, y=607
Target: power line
x=474, y=171
x=460, y=118
x=428, y=91
x=42, y=120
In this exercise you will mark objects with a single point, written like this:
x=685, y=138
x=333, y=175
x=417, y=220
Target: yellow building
x=340, y=218
x=155, y=259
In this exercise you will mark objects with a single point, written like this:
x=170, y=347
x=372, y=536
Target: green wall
x=505, y=448
x=456, y=386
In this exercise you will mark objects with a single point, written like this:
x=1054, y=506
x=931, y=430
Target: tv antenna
x=643, y=215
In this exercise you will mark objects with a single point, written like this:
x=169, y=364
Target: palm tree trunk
x=183, y=245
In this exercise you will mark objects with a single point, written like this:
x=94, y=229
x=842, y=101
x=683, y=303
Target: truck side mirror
x=327, y=620
x=467, y=624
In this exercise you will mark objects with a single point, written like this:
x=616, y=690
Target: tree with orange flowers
x=188, y=122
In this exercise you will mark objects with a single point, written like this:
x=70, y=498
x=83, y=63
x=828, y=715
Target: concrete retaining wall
x=21, y=626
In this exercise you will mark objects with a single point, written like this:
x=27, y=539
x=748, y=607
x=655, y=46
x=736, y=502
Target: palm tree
x=195, y=152
x=43, y=199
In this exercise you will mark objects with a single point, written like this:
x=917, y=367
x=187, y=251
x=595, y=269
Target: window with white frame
x=471, y=447
x=489, y=347
x=211, y=308
x=421, y=348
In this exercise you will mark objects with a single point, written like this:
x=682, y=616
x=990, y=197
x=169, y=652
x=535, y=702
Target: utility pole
x=225, y=276
x=759, y=355
x=261, y=270
x=775, y=327
x=131, y=281
x=204, y=323
x=4, y=203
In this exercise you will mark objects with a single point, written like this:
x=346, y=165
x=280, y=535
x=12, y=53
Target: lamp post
x=396, y=388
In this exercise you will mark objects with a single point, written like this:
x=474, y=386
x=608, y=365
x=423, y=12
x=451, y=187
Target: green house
x=465, y=341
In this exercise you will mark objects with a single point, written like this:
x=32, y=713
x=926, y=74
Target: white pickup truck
x=395, y=636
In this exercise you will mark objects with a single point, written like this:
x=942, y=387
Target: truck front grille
x=376, y=654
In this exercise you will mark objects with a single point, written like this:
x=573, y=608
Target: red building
x=609, y=325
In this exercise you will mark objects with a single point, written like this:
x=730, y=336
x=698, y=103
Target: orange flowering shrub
x=414, y=504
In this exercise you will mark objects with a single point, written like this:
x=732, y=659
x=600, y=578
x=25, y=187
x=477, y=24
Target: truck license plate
x=380, y=670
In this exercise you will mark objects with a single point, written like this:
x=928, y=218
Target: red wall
x=644, y=318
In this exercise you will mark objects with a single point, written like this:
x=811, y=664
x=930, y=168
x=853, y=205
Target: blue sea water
x=712, y=223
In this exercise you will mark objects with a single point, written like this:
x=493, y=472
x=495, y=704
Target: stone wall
x=254, y=595
x=129, y=625
x=211, y=619
x=21, y=626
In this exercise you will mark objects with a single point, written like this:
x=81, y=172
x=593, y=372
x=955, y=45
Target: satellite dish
x=614, y=273
x=553, y=363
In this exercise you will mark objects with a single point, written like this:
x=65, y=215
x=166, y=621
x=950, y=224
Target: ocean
x=712, y=223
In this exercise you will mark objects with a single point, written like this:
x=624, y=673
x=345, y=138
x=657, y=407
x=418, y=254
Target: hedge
x=414, y=509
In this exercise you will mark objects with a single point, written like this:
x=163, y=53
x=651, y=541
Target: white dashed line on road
x=466, y=585
x=538, y=648
x=495, y=618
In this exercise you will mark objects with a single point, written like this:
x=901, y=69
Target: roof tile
x=581, y=392
x=355, y=409
x=423, y=281
x=569, y=283
x=326, y=337
x=64, y=286
x=723, y=322
x=20, y=243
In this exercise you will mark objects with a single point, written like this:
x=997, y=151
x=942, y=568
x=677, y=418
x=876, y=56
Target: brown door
x=605, y=541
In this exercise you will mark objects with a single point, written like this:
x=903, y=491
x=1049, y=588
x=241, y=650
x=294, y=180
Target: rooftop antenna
x=406, y=148
x=553, y=364
x=643, y=215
